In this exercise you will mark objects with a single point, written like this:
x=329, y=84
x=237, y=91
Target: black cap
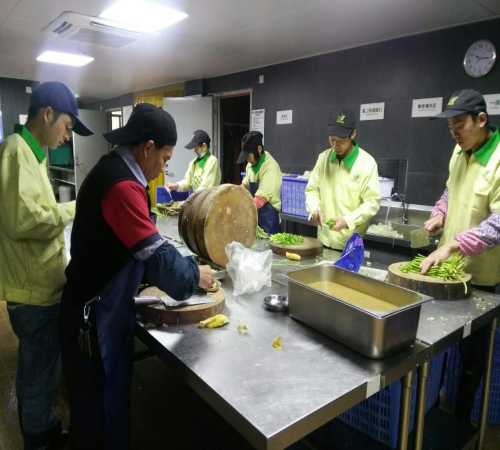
x=146, y=122
x=249, y=143
x=199, y=137
x=463, y=102
x=341, y=124
x=59, y=97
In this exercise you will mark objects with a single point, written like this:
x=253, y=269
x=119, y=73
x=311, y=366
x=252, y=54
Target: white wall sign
x=492, y=104
x=257, y=120
x=284, y=117
x=372, y=111
x=426, y=107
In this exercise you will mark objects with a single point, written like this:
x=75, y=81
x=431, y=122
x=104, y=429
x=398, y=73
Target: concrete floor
x=167, y=414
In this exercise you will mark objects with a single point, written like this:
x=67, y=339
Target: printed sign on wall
x=492, y=104
x=426, y=107
x=284, y=117
x=257, y=120
x=372, y=111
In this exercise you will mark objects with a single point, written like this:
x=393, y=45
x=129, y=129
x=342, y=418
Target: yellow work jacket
x=267, y=174
x=202, y=173
x=473, y=194
x=32, y=255
x=348, y=188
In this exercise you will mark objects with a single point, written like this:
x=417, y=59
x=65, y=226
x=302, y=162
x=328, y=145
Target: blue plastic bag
x=353, y=254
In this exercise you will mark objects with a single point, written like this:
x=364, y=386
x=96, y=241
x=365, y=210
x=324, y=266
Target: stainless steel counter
x=275, y=397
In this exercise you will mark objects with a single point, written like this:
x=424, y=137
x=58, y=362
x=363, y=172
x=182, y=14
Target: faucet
x=404, y=206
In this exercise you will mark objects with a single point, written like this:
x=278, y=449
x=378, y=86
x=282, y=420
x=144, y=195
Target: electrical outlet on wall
x=261, y=79
x=28, y=90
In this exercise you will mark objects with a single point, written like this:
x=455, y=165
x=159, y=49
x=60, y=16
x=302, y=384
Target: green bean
x=286, y=239
x=450, y=270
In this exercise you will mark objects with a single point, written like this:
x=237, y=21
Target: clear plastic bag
x=250, y=270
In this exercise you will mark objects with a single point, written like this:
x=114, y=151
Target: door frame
x=217, y=123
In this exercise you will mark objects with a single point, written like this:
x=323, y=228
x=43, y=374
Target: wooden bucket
x=212, y=218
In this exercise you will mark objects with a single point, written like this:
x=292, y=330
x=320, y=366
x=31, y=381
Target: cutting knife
x=170, y=303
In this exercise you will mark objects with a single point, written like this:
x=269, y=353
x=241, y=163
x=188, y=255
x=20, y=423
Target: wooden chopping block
x=188, y=314
x=310, y=247
x=214, y=217
x=434, y=287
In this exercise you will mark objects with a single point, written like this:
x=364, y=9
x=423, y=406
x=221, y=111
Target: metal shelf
x=62, y=169
x=60, y=180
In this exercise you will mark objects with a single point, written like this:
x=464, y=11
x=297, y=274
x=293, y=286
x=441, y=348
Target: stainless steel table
x=443, y=323
x=274, y=398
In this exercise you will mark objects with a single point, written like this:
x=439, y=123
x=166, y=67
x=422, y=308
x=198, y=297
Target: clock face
x=480, y=58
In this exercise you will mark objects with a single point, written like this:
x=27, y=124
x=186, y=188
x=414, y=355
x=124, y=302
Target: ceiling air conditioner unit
x=90, y=30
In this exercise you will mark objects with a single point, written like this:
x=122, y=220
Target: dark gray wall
x=13, y=101
x=112, y=103
x=428, y=65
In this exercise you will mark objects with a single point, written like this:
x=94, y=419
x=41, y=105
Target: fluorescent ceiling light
x=65, y=59
x=142, y=16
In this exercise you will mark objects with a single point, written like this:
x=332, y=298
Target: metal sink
x=405, y=241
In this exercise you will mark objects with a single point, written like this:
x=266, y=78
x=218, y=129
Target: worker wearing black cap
x=33, y=258
x=203, y=171
x=343, y=187
x=263, y=180
x=468, y=216
x=115, y=246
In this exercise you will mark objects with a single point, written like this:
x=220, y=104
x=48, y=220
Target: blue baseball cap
x=59, y=97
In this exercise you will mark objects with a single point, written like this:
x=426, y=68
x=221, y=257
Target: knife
x=170, y=303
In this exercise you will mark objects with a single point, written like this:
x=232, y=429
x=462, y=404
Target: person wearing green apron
x=343, y=187
x=263, y=180
x=468, y=215
x=203, y=171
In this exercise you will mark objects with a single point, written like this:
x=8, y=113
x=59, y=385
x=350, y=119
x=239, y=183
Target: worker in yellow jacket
x=203, y=171
x=468, y=215
x=263, y=180
x=32, y=255
x=342, y=193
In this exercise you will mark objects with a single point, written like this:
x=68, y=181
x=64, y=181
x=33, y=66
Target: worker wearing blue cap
x=32, y=255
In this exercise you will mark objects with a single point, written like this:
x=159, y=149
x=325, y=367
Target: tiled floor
x=165, y=413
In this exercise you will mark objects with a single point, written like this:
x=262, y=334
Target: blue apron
x=100, y=384
x=269, y=218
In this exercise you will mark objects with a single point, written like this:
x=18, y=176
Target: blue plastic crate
x=163, y=196
x=293, y=198
x=451, y=381
x=378, y=416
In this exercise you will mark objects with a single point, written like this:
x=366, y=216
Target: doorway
x=234, y=123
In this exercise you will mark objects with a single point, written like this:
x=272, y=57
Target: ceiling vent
x=90, y=30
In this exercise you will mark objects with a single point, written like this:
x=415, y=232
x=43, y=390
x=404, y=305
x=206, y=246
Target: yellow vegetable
x=293, y=256
x=242, y=328
x=219, y=320
x=277, y=343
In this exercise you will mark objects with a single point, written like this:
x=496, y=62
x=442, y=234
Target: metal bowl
x=276, y=302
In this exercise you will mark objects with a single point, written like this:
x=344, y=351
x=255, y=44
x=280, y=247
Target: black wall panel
x=397, y=71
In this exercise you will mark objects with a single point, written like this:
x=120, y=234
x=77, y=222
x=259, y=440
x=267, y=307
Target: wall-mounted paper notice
x=284, y=117
x=426, y=107
x=492, y=104
x=372, y=111
x=257, y=118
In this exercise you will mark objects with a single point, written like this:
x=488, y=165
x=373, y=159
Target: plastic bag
x=353, y=254
x=250, y=270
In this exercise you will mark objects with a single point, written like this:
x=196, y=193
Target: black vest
x=97, y=255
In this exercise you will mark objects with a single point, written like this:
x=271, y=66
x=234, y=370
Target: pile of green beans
x=286, y=239
x=450, y=270
x=261, y=234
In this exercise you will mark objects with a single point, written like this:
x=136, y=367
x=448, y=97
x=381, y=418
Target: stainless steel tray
x=371, y=333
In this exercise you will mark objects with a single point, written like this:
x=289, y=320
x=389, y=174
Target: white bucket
x=64, y=194
x=386, y=185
